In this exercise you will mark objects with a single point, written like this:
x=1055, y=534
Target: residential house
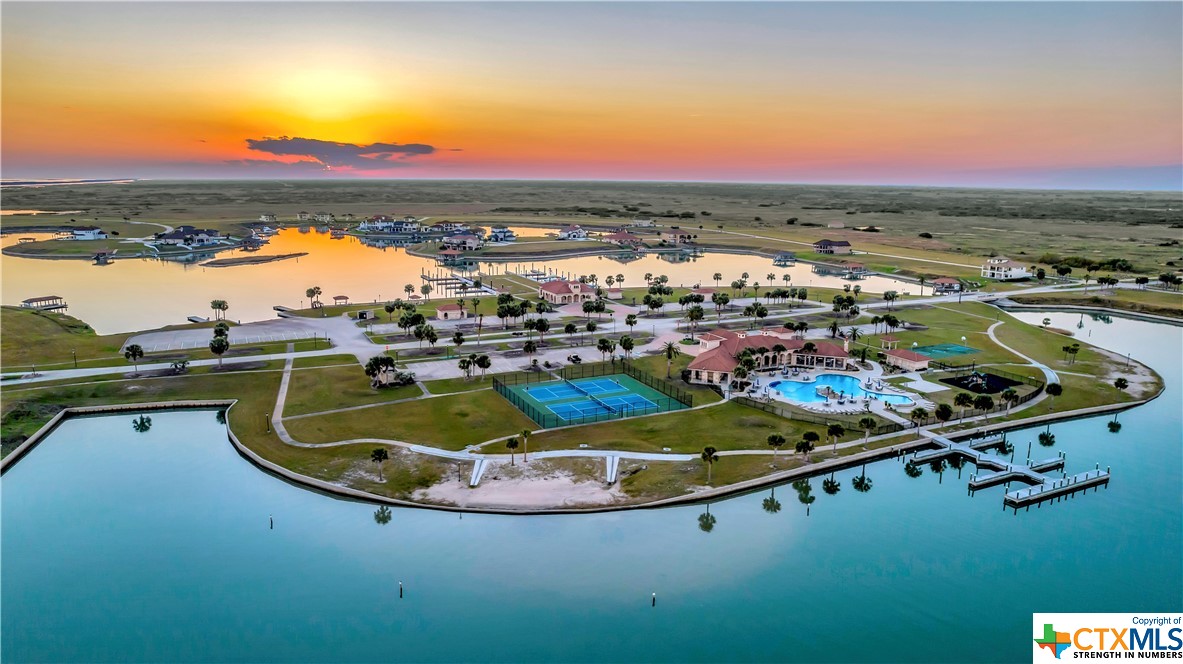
x=87, y=233
x=572, y=233
x=501, y=234
x=464, y=241
x=678, y=237
x=643, y=222
x=832, y=247
x=303, y=216
x=566, y=292
x=623, y=239
x=944, y=285
x=188, y=235
x=267, y=218
x=450, y=312
x=906, y=359
x=1004, y=269
x=448, y=227
x=720, y=351
x=325, y=217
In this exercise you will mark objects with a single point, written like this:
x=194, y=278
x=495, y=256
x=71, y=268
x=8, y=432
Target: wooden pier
x=1034, y=473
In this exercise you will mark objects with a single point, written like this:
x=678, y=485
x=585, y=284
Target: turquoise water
x=849, y=385
x=125, y=546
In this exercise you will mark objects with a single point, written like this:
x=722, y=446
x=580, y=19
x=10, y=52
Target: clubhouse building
x=566, y=292
x=720, y=350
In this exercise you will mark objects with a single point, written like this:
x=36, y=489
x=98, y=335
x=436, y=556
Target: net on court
x=580, y=400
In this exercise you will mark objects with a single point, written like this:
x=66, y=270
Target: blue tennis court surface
x=626, y=404
x=556, y=392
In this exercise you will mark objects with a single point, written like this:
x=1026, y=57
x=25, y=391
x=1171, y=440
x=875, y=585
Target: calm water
x=155, y=546
x=848, y=385
x=152, y=293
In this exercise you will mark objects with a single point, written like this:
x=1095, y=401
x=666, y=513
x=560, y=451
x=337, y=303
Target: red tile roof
x=905, y=354
x=559, y=287
x=944, y=280
x=449, y=307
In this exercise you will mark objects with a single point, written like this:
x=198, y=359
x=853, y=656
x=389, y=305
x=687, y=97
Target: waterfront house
x=464, y=241
x=853, y=270
x=832, y=247
x=720, y=351
x=448, y=227
x=906, y=359
x=566, y=292
x=267, y=218
x=450, y=312
x=943, y=285
x=325, y=217
x=623, y=239
x=303, y=216
x=572, y=233
x=45, y=303
x=642, y=222
x=1004, y=269
x=677, y=237
x=87, y=233
x=188, y=235
x=501, y=234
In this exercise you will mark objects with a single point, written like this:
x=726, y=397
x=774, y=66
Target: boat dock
x=45, y=303
x=1043, y=486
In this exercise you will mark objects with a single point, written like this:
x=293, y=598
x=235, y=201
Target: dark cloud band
x=372, y=156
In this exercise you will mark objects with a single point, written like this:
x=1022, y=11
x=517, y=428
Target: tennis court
x=559, y=402
x=943, y=351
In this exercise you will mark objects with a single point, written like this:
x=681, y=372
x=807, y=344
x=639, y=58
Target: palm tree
x=382, y=515
x=141, y=424
x=853, y=334
x=912, y=470
x=670, y=350
x=835, y=431
x=1047, y=439
x=409, y=290
x=378, y=456
x=458, y=340
x=718, y=276
x=807, y=443
x=512, y=444
x=943, y=412
x=867, y=424
x=530, y=347
x=710, y=456
x=834, y=329
x=604, y=346
x=917, y=416
x=627, y=344
x=1010, y=397
x=694, y=314
x=963, y=400
x=426, y=290
x=219, y=307
x=776, y=441
x=1055, y=390
x=631, y=321
x=465, y=365
x=983, y=402
x=133, y=353
x=218, y=346
x=313, y=295
x=483, y=363
x=525, y=445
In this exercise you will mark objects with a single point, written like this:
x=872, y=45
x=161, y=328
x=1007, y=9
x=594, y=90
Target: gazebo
x=340, y=299
x=888, y=342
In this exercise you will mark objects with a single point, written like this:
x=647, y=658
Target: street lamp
x=74, y=352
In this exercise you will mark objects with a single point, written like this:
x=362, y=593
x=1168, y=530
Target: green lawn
x=656, y=365
x=454, y=385
x=324, y=361
x=449, y=422
x=726, y=427
x=329, y=388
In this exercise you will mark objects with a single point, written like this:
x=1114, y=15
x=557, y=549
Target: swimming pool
x=848, y=385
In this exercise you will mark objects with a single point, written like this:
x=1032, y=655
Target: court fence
x=547, y=419
x=961, y=369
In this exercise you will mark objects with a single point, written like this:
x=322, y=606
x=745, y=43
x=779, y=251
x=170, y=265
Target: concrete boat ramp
x=1042, y=485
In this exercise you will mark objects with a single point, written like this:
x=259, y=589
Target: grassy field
x=80, y=248
x=656, y=366
x=964, y=223
x=449, y=422
x=328, y=388
x=1161, y=303
x=54, y=336
x=324, y=361
x=725, y=427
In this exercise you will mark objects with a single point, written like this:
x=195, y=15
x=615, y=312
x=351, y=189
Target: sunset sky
x=1009, y=94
